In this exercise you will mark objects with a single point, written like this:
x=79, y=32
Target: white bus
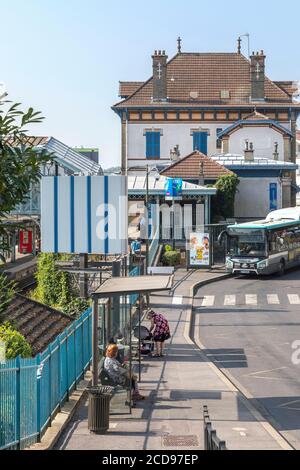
x=264, y=246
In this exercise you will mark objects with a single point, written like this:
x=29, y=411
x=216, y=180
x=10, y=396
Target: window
x=200, y=141
x=219, y=141
x=152, y=144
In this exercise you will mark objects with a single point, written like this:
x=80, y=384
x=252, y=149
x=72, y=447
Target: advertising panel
x=199, y=249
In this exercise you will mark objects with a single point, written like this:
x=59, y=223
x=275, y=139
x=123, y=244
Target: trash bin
x=98, y=412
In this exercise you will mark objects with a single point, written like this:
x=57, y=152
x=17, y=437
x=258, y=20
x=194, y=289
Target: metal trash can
x=98, y=412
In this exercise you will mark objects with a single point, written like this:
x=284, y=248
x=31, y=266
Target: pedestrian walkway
x=230, y=300
x=177, y=386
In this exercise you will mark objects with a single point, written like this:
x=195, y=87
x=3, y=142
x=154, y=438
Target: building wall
x=172, y=134
x=263, y=139
x=253, y=197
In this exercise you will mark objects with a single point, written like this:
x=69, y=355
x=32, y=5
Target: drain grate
x=180, y=441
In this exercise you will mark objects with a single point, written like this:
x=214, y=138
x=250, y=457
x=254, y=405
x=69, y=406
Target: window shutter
x=152, y=144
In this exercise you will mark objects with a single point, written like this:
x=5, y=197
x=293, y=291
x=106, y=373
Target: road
x=247, y=326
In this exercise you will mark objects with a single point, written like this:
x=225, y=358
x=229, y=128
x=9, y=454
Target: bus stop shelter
x=117, y=286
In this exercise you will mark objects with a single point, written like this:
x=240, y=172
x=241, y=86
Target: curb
x=227, y=378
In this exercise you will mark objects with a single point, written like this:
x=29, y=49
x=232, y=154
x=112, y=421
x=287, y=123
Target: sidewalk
x=177, y=387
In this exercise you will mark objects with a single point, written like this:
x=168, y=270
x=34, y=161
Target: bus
x=265, y=246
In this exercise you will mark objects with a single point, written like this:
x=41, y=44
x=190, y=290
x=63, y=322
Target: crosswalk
x=231, y=300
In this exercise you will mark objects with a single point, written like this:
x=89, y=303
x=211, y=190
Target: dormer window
x=225, y=94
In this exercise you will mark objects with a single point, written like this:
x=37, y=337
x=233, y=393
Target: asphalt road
x=248, y=326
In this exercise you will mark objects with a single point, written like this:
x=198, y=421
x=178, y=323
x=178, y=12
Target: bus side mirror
x=221, y=237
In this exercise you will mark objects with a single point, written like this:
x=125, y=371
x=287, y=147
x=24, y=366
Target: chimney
x=276, y=153
x=258, y=76
x=159, y=76
x=249, y=152
x=175, y=154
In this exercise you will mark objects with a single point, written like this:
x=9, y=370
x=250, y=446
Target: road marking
x=257, y=375
x=294, y=299
x=251, y=299
x=273, y=299
x=286, y=405
x=208, y=301
x=177, y=300
x=230, y=300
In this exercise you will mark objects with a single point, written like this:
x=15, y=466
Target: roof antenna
x=179, y=44
x=239, y=45
x=247, y=35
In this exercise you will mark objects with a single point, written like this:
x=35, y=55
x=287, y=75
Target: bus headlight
x=262, y=264
x=229, y=263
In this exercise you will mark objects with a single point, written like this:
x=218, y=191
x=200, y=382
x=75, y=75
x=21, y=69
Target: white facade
x=263, y=139
x=255, y=203
x=181, y=134
x=172, y=134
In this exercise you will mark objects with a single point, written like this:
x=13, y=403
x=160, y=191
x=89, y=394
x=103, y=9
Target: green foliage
x=76, y=306
x=15, y=343
x=171, y=258
x=20, y=161
x=7, y=292
x=167, y=248
x=53, y=286
x=223, y=202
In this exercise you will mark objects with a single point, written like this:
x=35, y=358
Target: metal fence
x=33, y=390
x=211, y=440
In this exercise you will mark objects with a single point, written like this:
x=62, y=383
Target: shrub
x=15, y=343
x=168, y=248
x=171, y=258
x=76, y=306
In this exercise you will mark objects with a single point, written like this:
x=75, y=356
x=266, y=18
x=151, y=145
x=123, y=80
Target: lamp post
x=156, y=175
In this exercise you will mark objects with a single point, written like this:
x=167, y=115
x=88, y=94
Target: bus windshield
x=247, y=242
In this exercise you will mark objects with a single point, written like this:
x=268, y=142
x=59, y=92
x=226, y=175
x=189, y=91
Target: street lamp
x=156, y=174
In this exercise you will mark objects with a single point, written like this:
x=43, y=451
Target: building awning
x=133, y=285
x=156, y=187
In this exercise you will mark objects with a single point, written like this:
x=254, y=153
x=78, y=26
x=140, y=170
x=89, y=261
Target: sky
x=66, y=57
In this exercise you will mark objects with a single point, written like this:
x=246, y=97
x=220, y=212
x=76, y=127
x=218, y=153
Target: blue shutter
x=273, y=196
x=200, y=142
x=152, y=144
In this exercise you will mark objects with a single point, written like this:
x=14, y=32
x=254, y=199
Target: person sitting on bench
x=119, y=374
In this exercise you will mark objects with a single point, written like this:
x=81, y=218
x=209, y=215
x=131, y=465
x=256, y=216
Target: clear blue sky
x=65, y=57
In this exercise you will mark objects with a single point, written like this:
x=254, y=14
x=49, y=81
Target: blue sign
x=173, y=189
x=273, y=197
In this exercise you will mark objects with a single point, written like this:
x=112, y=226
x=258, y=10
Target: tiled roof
x=205, y=75
x=38, y=323
x=289, y=87
x=127, y=88
x=189, y=167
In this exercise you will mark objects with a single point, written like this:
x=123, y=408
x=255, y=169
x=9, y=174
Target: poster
x=199, y=249
x=173, y=189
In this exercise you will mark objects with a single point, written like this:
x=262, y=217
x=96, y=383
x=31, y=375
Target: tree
x=15, y=343
x=224, y=200
x=20, y=161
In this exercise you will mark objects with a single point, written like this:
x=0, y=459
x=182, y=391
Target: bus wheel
x=281, y=268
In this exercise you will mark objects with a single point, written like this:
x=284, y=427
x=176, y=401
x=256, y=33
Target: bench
x=106, y=380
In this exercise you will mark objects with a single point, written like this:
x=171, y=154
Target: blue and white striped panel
x=84, y=214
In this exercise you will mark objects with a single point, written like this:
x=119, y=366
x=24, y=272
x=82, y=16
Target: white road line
x=251, y=299
x=177, y=299
x=273, y=299
x=294, y=299
x=208, y=301
x=230, y=300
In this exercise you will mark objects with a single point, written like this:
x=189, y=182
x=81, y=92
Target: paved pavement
x=247, y=327
x=177, y=387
